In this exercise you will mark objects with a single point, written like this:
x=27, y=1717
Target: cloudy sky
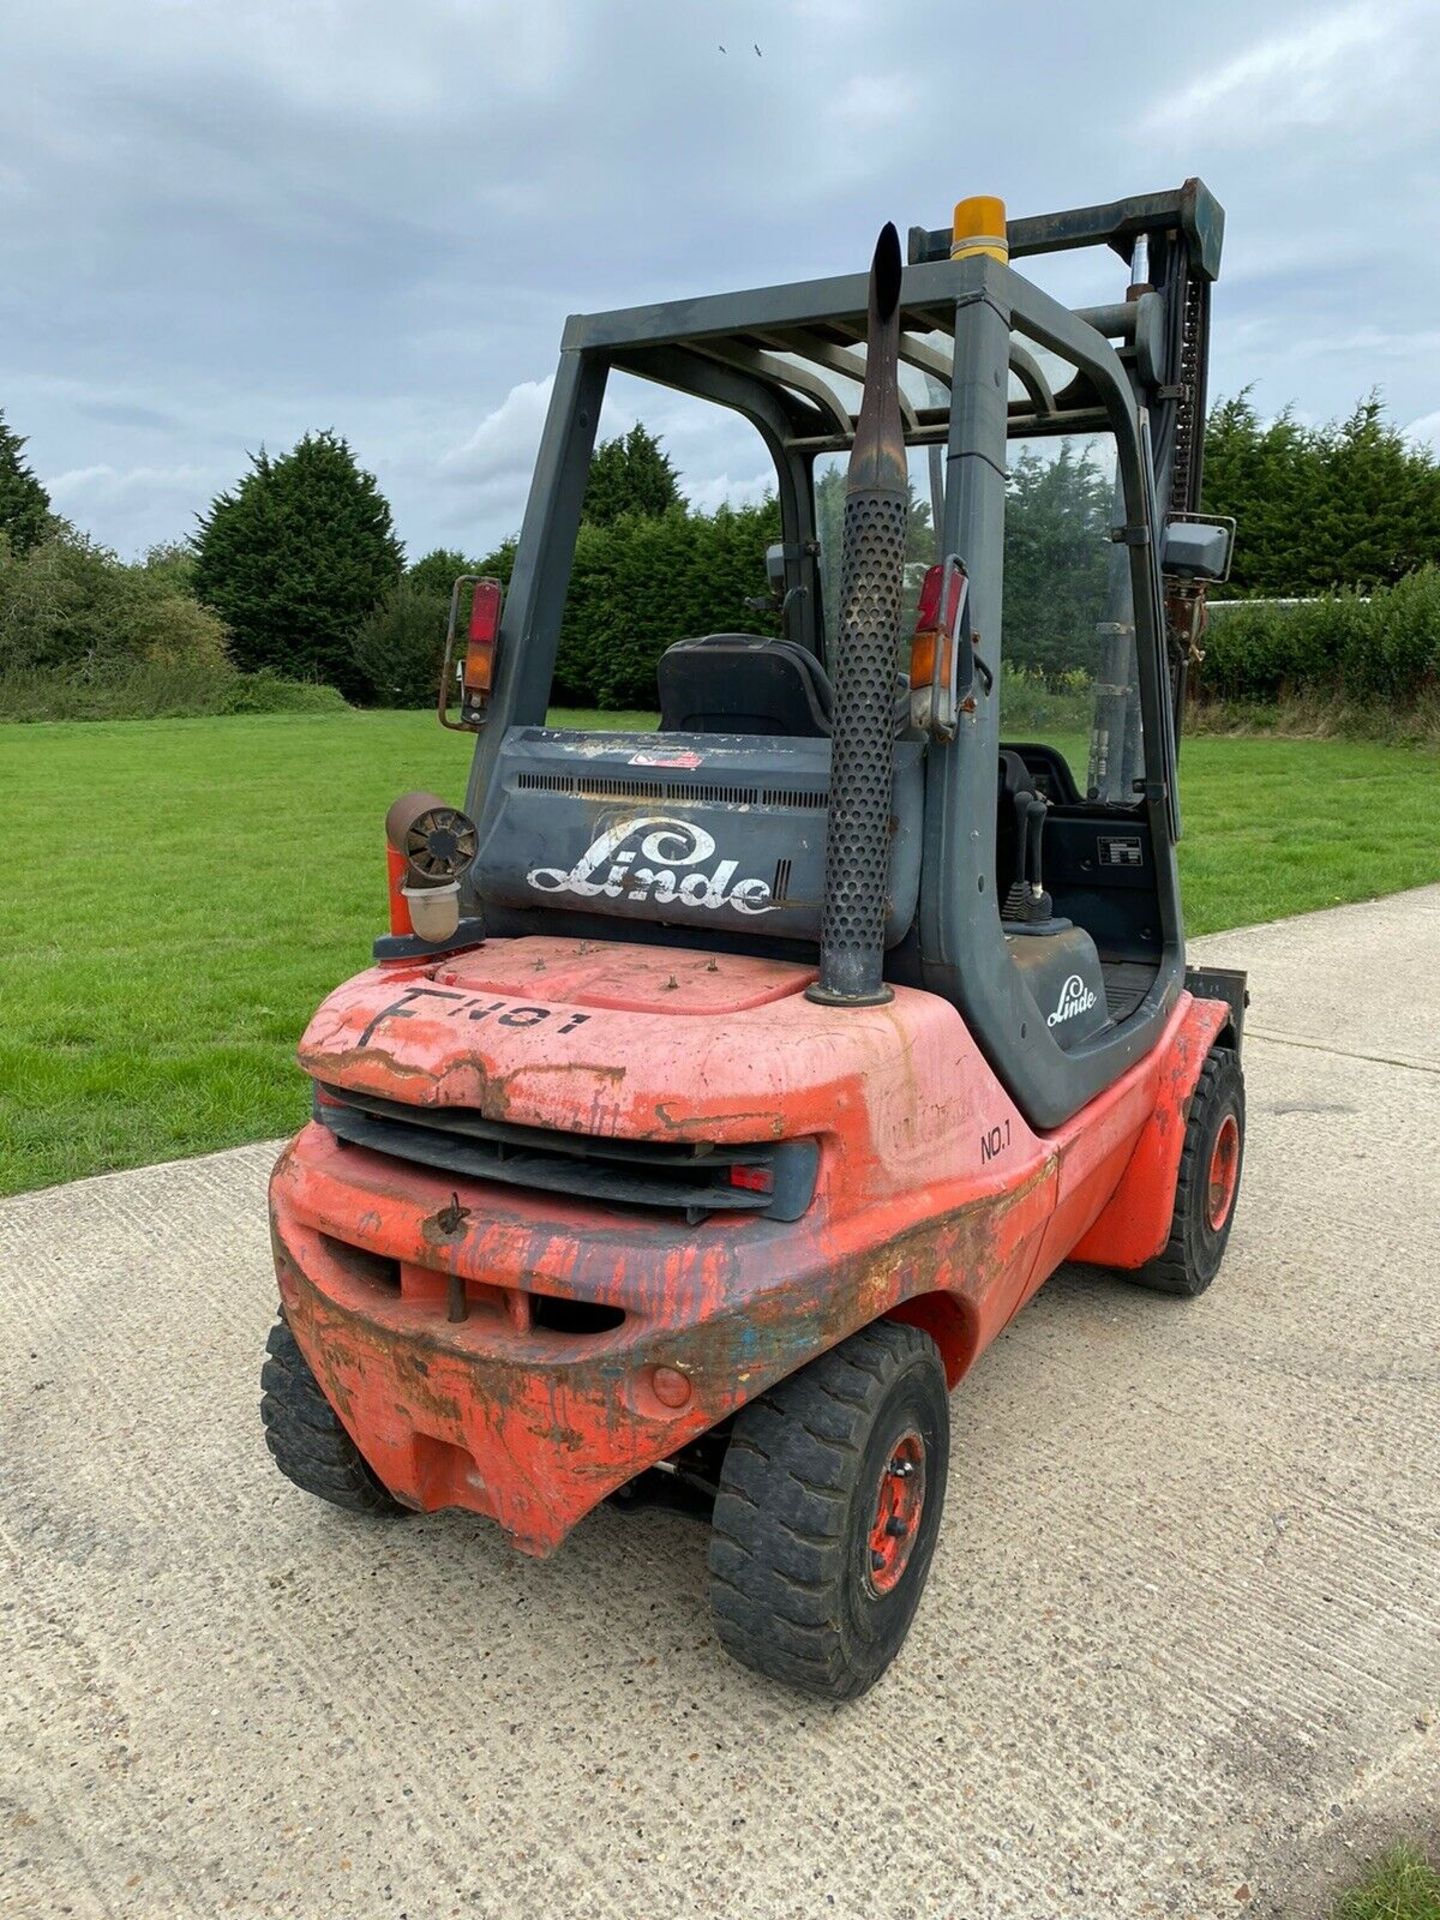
x=223, y=222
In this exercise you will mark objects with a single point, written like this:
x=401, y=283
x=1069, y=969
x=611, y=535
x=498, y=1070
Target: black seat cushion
x=743, y=683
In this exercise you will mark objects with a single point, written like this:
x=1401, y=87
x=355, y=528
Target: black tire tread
x=305, y=1435
x=778, y=1530
x=1170, y=1271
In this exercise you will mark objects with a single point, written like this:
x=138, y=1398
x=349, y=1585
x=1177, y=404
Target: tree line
x=296, y=573
x=1352, y=503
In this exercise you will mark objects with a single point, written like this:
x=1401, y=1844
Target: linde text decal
x=607, y=869
x=1075, y=997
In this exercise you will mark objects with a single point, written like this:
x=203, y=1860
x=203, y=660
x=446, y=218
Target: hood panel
x=624, y=978
x=537, y=1032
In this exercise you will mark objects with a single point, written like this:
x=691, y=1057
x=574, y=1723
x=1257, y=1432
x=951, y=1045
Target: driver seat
x=743, y=683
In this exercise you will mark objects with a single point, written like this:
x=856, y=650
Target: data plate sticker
x=1121, y=850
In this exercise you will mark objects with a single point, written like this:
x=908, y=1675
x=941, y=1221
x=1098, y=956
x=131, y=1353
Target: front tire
x=1208, y=1185
x=828, y=1508
x=305, y=1436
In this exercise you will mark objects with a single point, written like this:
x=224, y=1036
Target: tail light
x=941, y=658
x=478, y=668
x=753, y=1179
x=482, y=639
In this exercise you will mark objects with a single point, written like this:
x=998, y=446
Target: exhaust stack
x=872, y=577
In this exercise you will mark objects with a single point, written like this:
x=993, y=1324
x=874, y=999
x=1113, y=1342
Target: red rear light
x=939, y=602
x=476, y=670
x=482, y=639
x=939, y=616
x=927, y=612
x=753, y=1179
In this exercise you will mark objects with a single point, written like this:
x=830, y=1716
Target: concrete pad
x=1178, y=1655
x=1362, y=979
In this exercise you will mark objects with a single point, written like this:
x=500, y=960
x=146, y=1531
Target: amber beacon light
x=979, y=227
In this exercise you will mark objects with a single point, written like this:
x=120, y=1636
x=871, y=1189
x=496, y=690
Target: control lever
x=1032, y=810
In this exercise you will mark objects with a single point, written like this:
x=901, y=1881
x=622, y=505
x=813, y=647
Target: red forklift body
x=934, y=1203
x=720, y=1092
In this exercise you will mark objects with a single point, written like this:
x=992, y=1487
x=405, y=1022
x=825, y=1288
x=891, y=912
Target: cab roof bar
x=1191, y=210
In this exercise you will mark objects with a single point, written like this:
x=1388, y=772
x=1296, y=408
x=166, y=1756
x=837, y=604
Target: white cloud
x=133, y=508
x=506, y=440
x=226, y=225
x=1335, y=69
x=492, y=467
x=719, y=490
x=1381, y=343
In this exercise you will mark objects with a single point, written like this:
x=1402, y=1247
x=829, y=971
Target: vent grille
x=621, y=787
x=695, y=1179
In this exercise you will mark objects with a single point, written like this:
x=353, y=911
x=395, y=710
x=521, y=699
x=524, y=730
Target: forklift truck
x=718, y=1094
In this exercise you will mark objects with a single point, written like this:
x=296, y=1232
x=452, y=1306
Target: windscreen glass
x=1068, y=672
x=926, y=501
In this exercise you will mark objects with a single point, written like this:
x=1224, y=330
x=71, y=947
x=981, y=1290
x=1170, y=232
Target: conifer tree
x=24, y=503
x=630, y=474
x=294, y=558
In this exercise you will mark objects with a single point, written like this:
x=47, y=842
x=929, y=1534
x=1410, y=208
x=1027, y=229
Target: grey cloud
x=227, y=225
x=122, y=413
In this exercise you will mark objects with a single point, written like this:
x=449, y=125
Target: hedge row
x=639, y=584
x=1385, y=647
x=68, y=604
x=156, y=690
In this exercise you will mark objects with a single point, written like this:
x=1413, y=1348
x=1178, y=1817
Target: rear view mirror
x=1197, y=547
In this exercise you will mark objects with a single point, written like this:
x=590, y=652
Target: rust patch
x=324, y=1065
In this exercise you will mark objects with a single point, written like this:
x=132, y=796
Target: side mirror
x=780, y=598
x=1197, y=547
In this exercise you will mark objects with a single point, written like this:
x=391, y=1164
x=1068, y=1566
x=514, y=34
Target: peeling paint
x=534, y=1426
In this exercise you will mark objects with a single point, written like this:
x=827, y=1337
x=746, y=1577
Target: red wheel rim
x=1224, y=1173
x=899, y=1502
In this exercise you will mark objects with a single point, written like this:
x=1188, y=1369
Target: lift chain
x=1183, y=490
x=1185, y=610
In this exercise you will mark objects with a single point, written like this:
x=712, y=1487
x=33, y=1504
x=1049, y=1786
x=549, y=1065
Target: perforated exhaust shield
x=872, y=577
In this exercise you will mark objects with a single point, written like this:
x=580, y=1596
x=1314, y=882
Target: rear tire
x=828, y=1508
x=1208, y=1186
x=303, y=1432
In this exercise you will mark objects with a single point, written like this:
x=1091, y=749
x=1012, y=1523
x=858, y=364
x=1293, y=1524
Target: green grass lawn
x=1402, y=1886
x=179, y=894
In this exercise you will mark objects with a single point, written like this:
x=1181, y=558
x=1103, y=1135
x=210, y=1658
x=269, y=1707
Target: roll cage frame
x=1138, y=375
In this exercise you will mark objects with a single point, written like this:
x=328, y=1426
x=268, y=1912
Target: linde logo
x=1075, y=997
x=607, y=869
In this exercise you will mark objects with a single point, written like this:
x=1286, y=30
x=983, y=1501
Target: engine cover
x=696, y=830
